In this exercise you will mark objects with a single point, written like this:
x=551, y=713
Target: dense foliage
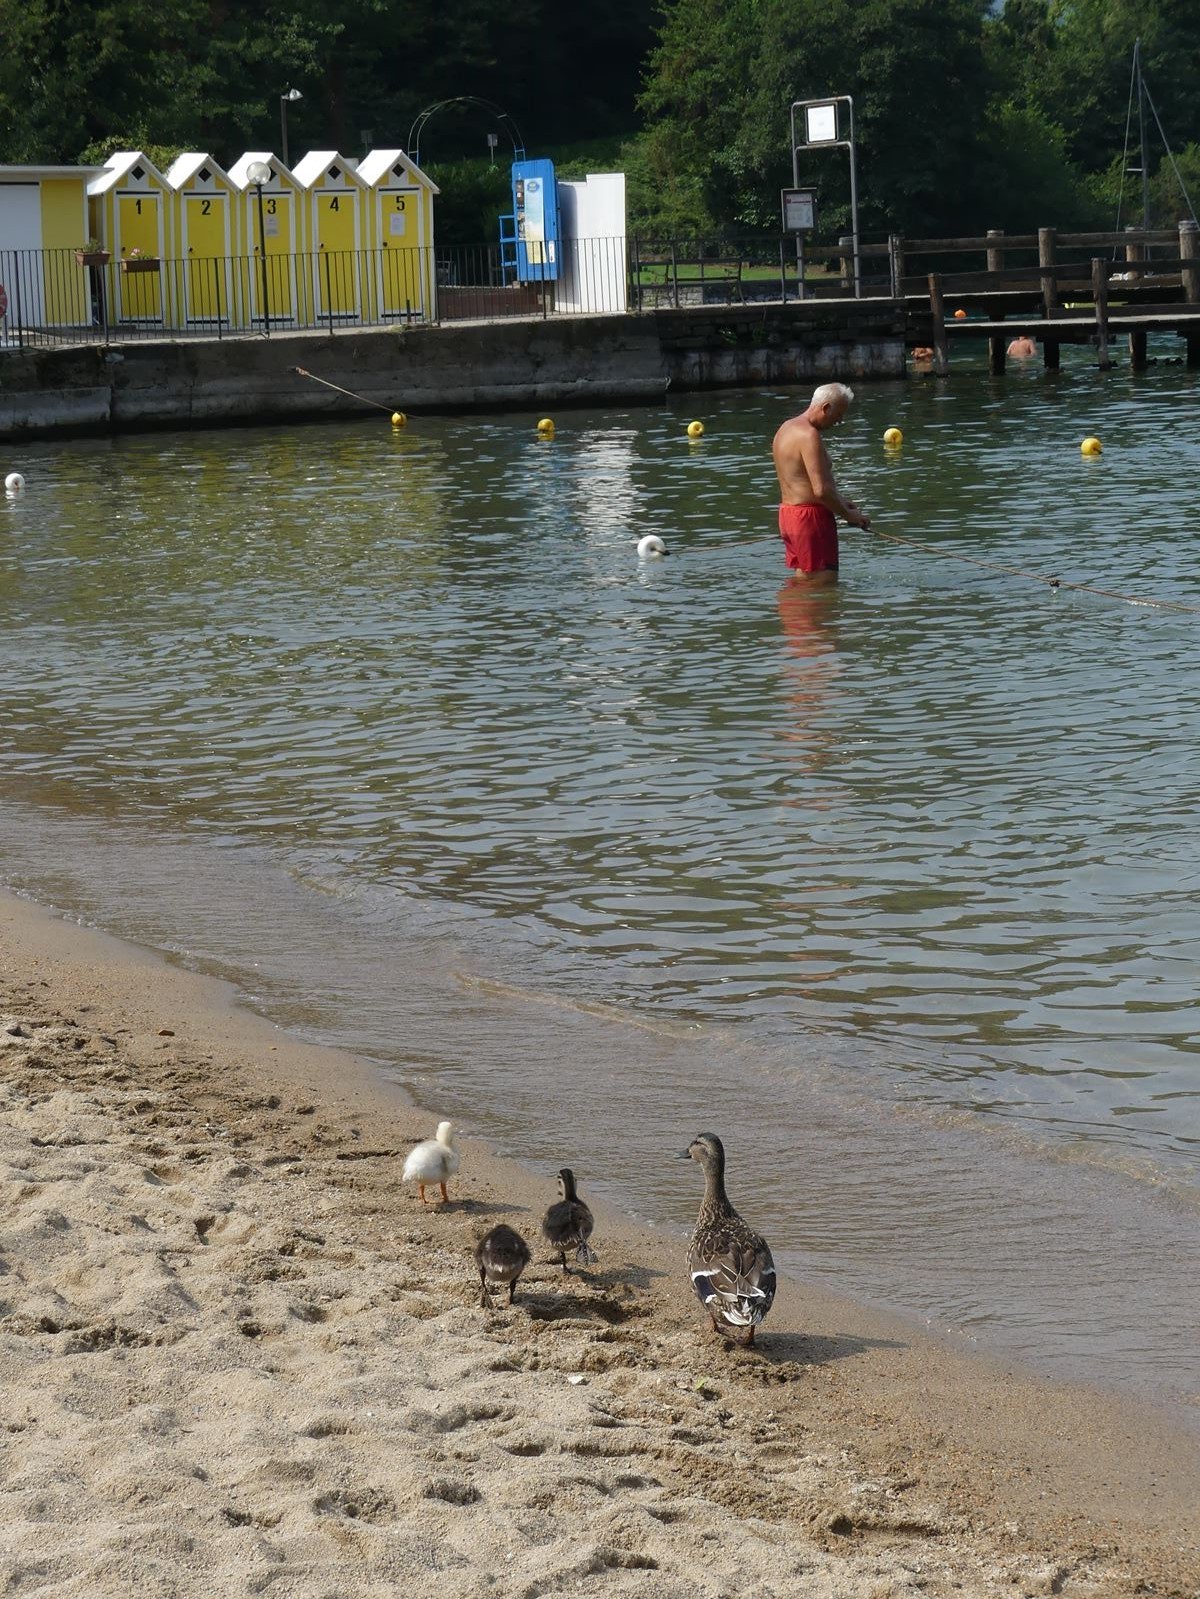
x=970, y=113
x=207, y=74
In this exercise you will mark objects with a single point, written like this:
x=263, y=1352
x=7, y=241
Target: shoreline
x=384, y=1425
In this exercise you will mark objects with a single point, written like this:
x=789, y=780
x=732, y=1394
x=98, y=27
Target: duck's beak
x=684, y=1154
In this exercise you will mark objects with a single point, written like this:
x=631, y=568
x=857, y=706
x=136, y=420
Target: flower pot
x=93, y=258
x=141, y=263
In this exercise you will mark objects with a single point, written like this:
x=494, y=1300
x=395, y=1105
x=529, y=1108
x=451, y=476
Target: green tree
x=1071, y=60
x=722, y=78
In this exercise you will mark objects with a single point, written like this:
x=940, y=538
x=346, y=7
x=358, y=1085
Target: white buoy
x=650, y=547
x=14, y=483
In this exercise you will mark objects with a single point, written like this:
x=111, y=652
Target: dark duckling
x=569, y=1223
x=501, y=1257
x=730, y=1265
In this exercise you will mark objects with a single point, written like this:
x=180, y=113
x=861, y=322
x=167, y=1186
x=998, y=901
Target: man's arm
x=820, y=475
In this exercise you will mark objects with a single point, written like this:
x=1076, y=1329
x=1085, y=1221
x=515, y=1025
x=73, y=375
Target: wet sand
x=240, y=1358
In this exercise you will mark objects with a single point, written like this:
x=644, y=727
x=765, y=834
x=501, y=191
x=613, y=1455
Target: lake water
x=895, y=886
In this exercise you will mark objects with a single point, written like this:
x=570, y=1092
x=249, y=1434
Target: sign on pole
x=823, y=127
x=799, y=210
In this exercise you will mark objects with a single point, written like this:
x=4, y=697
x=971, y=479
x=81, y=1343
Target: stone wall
x=584, y=359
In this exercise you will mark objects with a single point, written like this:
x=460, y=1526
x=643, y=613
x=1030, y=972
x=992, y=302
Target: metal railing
x=50, y=297
x=71, y=296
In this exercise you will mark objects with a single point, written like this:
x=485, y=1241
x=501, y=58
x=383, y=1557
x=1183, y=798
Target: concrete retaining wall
x=585, y=359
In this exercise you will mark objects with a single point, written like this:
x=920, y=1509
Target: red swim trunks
x=809, y=535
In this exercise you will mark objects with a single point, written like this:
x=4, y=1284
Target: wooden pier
x=1117, y=290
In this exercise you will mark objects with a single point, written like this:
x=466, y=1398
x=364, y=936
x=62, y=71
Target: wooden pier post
x=997, y=342
x=1135, y=250
x=1046, y=242
x=896, y=259
x=846, y=250
x=937, y=312
x=1050, y=300
x=1100, y=296
x=1189, y=251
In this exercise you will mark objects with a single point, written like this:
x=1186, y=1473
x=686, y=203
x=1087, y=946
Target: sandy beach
x=241, y=1358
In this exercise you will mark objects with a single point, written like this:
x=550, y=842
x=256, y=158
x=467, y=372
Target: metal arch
x=413, y=149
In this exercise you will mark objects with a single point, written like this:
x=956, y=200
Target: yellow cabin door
x=336, y=257
x=400, y=252
x=277, y=233
x=140, y=291
x=206, y=257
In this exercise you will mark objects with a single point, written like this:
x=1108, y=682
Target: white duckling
x=14, y=484
x=651, y=547
x=433, y=1161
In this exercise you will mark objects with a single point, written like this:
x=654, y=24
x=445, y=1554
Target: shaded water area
x=893, y=885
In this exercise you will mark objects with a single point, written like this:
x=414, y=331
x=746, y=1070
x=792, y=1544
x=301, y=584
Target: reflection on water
x=861, y=862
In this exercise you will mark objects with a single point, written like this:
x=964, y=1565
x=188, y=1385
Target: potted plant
x=93, y=254
x=136, y=261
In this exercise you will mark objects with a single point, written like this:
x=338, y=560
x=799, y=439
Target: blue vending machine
x=535, y=221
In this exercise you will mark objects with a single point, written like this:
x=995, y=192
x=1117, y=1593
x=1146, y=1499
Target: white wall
x=21, y=232
x=594, y=271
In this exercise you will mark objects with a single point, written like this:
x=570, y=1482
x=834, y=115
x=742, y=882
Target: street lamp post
x=288, y=97
x=259, y=173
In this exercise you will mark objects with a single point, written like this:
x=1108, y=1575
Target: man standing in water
x=809, y=499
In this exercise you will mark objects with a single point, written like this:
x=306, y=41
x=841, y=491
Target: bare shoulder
x=791, y=433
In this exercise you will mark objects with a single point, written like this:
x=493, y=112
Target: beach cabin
x=43, y=222
x=335, y=223
x=271, y=221
x=400, y=212
x=132, y=210
x=206, y=209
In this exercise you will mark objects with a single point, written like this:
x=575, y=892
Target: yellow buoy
x=893, y=438
x=695, y=430
x=546, y=427
x=399, y=419
x=960, y=315
x=1091, y=446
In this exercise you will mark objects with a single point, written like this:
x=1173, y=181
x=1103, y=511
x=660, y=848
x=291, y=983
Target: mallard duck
x=731, y=1267
x=501, y=1257
x=569, y=1223
x=650, y=547
x=433, y=1161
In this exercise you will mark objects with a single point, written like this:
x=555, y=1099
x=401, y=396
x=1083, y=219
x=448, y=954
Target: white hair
x=833, y=394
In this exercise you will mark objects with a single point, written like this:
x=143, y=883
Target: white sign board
x=799, y=210
x=820, y=124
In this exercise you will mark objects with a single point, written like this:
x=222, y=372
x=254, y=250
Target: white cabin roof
x=317, y=162
x=118, y=167
x=33, y=174
x=187, y=165
x=376, y=165
x=239, y=171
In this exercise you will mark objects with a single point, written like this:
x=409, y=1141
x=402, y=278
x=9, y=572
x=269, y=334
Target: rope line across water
x=361, y=398
x=896, y=538
x=1037, y=577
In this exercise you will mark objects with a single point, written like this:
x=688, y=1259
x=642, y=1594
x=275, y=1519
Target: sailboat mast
x=1141, y=105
